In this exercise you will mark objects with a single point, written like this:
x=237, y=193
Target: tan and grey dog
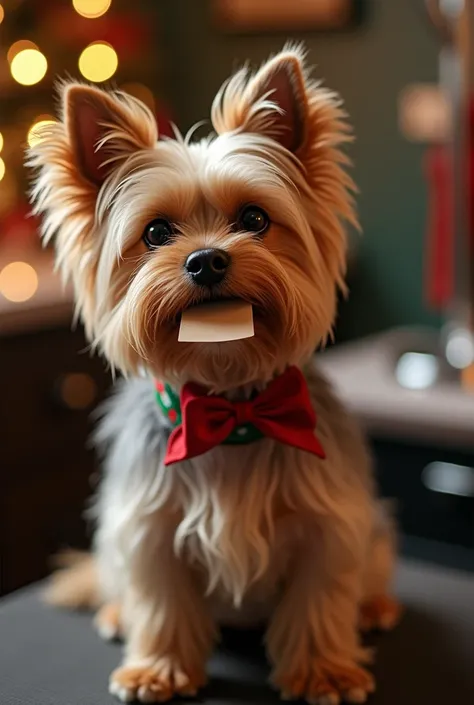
x=241, y=533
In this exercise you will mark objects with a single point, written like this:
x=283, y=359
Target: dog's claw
x=327, y=699
x=356, y=695
x=324, y=683
x=154, y=683
x=125, y=695
x=146, y=696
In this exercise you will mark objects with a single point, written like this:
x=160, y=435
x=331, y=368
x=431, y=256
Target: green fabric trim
x=168, y=401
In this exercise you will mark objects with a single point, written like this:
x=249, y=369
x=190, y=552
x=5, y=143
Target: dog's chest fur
x=237, y=514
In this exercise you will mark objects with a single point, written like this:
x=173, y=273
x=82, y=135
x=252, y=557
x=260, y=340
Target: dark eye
x=157, y=233
x=253, y=219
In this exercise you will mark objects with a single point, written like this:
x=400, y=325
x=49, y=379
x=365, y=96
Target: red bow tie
x=283, y=411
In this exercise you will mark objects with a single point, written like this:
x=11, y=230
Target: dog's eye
x=157, y=233
x=253, y=219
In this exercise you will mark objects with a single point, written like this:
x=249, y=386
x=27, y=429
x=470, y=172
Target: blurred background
x=403, y=354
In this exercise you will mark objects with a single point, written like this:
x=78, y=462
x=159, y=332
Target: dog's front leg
x=169, y=632
x=312, y=639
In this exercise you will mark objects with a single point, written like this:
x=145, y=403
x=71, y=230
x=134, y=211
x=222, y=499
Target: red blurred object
x=440, y=240
x=18, y=227
x=439, y=262
x=129, y=33
x=164, y=122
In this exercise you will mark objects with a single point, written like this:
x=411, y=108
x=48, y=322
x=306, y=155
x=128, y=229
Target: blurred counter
x=422, y=439
x=364, y=374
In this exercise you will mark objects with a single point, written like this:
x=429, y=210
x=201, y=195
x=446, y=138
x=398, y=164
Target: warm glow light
x=98, y=62
x=2, y=14
x=91, y=8
x=1, y=141
x=28, y=67
x=18, y=46
x=2, y=168
x=9, y=196
x=34, y=133
x=18, y=281
x=143, y=93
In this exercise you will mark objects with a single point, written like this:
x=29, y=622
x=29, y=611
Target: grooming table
x=49, y=657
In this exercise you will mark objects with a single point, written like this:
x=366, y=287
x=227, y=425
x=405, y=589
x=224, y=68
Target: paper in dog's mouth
x=217, y=321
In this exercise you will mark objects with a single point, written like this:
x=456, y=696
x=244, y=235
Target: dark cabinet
x=433, y=488
x=50, y=384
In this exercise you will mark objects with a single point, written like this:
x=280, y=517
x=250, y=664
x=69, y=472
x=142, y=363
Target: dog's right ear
x=71, y=159
x=104, y=128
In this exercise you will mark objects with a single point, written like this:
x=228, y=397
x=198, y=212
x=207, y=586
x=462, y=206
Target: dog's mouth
x=211, y=300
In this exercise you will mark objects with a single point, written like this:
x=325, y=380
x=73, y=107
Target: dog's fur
x=255, y=532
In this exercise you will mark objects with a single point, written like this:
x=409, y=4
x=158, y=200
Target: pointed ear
x=104, y=128
x=272, y=102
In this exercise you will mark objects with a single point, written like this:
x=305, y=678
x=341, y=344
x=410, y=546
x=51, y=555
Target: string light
x=28, y=67
x=2, y=168
x=91, y=8
x=18, y=46
x=1, y=141
x=18, y=282
x=34, y=135
x=98, y=62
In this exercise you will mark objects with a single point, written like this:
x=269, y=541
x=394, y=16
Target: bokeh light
x=2, y=14
x=77, y=390
x=2, y=168
x=34, y=133
x=18, y=46
x=98, y=62
x=1, y=141
x=18, y=281
x=91, y=8
x=143, y=93
x=28, y=67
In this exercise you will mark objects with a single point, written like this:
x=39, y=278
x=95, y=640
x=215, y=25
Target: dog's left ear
x=273, y=102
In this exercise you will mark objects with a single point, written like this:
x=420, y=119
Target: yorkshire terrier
x=199, y=525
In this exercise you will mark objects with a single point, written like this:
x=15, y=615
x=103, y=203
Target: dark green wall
x=368, y=66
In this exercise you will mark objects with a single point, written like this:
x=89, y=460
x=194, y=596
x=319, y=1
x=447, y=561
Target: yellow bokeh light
x=18, y=46
x=91, y=8
x=2, y=14
x=28, y=67
x=1, y=141
x=2, y=168
x=98, y=62
x=35, y=132
x=18, y=282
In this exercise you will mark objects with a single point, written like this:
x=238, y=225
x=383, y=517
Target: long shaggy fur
x=240, y=534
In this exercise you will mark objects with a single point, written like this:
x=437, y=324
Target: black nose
x=207, y=267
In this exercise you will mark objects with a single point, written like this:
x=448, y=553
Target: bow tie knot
x=283, y=412
x=243, y=412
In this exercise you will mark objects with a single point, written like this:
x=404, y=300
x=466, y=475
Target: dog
x=287, y=528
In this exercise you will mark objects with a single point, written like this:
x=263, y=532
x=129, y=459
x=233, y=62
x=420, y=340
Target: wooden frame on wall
x=252, y=16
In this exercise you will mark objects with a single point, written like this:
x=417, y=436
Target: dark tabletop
x=49, y=657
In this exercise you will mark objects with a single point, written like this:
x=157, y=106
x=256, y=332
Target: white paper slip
x=216, y=322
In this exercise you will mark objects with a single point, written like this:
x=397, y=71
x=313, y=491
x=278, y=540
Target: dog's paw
x=324, y=683
x=107, y=621
x=155, y=683
x=380, y=613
